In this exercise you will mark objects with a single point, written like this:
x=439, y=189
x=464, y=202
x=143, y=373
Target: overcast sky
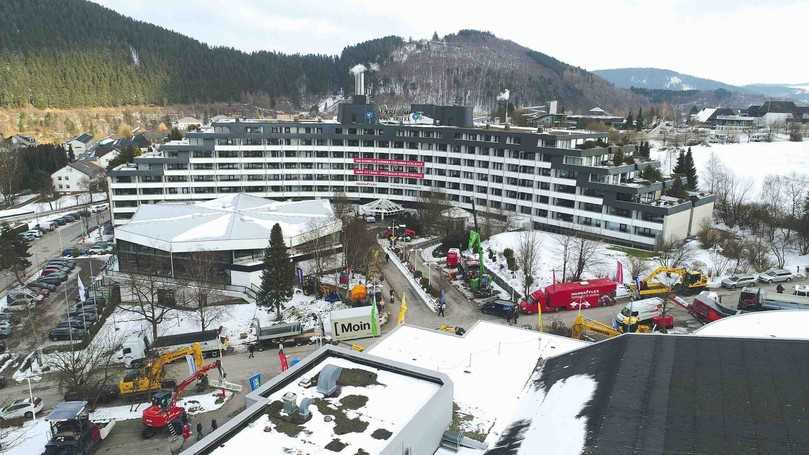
x=737, y=42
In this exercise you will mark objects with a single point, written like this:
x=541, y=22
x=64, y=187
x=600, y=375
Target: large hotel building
x=562, y=180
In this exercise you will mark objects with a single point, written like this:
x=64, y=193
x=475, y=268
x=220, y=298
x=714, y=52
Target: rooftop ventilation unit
x=289, y=400
x=327, y=380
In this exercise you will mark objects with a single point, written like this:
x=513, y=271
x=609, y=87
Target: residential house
x=77, y=176
x=187, y=122
x=80, y=144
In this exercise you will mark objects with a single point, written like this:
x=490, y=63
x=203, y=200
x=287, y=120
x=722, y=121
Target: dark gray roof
x=66, y=410
x=659, y=394
x=83, y=137
x=88, y=168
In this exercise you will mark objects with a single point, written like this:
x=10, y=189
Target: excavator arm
x=156, y=368
x=199, y=374
x=582, y=325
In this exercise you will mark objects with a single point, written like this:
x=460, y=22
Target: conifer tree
x=629, y=121
x=677, y=189
x=277, y=279
x=690, y=171
x=14, y=253
x=639, y=121
x=679, y=168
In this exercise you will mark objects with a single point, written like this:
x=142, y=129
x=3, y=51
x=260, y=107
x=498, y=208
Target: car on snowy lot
x=21, y=408
x=739, y=281
x=499, y=307
x=66, y=334
x=38, y=284
x=776, y=276
x=5, y=331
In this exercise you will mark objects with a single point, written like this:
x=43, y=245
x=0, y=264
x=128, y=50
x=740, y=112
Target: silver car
x=776, y=276
x=21, y=408
x=739, y=281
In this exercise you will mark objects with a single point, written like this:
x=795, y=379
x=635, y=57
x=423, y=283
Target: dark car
x=84, y=307
x=106, y=394
x=60, y=221
x=65, y=333
x=89, y=316
x=55, y=279
x=75, y=323
x=51, y=269
x=502, y=308
x=95, y=300
x=38, y=284
x=67, y=263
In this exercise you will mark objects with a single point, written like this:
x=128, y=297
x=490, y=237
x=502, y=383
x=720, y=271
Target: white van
x=644, y=309
x=98, y=208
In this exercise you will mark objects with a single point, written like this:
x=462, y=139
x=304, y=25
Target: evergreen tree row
x=77, y=53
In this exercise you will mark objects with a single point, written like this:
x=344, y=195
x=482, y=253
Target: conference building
x=561, y=180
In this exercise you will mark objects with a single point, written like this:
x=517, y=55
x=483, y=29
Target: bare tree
x=342, y=206
x=146, y=294
x=772, y=196
x=673, y=253
x=429, y=207
x=757, y=253
x=318, y=244
x=357, y=243
x=528, y=251
x=10, y=174
x=565, y=244
x=88, y=370
x=778, y=246
x=584, y=255
x=198, y=292
x=635, y=265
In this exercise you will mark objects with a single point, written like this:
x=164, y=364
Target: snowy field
x=61, y=203
x=750, y=161
x=488, y=354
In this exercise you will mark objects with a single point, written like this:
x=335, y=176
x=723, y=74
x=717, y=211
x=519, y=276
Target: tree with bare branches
x=430, y=204
x=199, y=291
x=146, y=291
x=11, y=167
x=565, y=244
x=528, y=253
x=584, y=255
x=673, y=253
x=89, y=371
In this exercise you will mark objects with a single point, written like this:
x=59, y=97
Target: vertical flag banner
x=402, y=310
x=619, y=273
x=374, y=318
x=82, y=293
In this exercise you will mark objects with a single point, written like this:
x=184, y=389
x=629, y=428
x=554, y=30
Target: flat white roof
x=788, y=324
x=489, y=366
x=390, y=406
x=234, y=222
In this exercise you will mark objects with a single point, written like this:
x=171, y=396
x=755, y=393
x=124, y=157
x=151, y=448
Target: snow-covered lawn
x=30, y=439
x=752, y=161
x=61, y=203
x=604, y=263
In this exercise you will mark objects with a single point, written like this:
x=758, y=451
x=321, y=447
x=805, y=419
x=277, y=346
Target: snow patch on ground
x=488, y=354
x=61, y=203
x=195, y=404
x=29, y=439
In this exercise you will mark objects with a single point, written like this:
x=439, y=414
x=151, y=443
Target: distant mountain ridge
x=72, y=53
x=664, y=79
x=660, y=79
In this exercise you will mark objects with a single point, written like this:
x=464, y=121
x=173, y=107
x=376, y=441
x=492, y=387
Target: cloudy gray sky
x=737, y=42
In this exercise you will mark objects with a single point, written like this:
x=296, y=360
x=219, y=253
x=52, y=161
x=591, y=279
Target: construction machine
x=481, y=283
x=581, y=326
x=164, y=410
x=150, y=377
x=678, y=279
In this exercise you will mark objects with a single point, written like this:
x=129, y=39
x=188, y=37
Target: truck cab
x=134, y=350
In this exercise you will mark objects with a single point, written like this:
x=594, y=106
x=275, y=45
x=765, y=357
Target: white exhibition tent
x=380, y=208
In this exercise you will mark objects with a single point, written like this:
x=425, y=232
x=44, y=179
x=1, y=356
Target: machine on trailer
x=72, y=431
x=150, y=377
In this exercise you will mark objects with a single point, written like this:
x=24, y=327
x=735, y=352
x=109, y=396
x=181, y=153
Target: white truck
x=135, y=349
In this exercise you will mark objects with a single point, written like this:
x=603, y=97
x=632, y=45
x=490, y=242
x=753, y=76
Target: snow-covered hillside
x=751, y=161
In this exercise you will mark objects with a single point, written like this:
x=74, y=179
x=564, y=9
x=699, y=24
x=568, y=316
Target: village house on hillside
x=77, y=176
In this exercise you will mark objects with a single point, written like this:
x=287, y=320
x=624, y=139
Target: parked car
x=12, y=318
x=52, y=280
x=71, y=217
x=35, y=232
x=98, y=208
x=69, y=263
x=503, y=308
x=739, y=281
x=5, y=331
x=73, y=323
x=55, y=274
x=776, y=276
x=60, y=221
x=21, y=408
x=84, y=307
x=89, y=316
x=54, y=269
x=64, y=333
x=42, y=285
x=28, y=237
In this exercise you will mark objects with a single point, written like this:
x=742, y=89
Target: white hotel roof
x=233, y=222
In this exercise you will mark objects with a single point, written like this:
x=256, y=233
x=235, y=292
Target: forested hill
x=75, y=53
x=71, y=53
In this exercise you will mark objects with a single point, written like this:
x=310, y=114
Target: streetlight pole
x=31, y=397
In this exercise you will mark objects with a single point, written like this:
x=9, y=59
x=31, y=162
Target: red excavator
x=164, y=410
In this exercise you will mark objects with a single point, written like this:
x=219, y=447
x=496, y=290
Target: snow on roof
x=233, y=222
x=379, y=207
x=456, y=212
x=703, y=115
x=391, y=405
x=489, y=366
x=788, y=324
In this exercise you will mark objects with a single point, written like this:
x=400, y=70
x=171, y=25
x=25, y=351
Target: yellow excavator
x=582, y=326
x=690, y=282
x=150, y=377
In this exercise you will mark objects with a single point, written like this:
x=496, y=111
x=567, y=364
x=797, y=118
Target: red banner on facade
x=381, y=173
x=389, y=162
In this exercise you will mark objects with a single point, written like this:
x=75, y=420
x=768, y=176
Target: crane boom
x=199, y=374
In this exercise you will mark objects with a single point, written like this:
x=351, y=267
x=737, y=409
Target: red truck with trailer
x=571, y=295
